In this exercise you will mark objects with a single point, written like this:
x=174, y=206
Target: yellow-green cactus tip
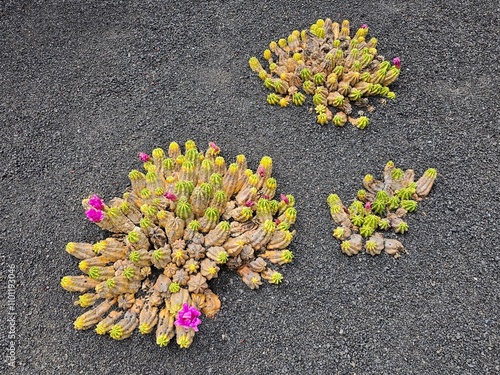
x=135, y=256
x=66, y=282
x=345, y=245
x=335, y=209
x=282, y=43
x=269, y=226
x=402, y=227
x=99, y=246
x=366, y=230
x=253, y=62
x=276, y=278
x=162, y=340
x=128, y=272
x=158, y=153
x=287, y=256
x=363, y=122
x=134, y=174
x=110, y=283
x=332, y=199
x=338, y=232
x=298, y=98
x=361, y=194
x=273, y=98
x=116, y=332
x=409, y=205
x=184, y=341
x=133, y=237
x=263, y=75
x=79, y=323
x=225, y=226
x=194, y=225
x=85, y=300
x=431, y=172
x=94, y=272
x=101, y=328
x=397, y=174
x=383, y=224
x=370, y=245
x=174, y=287
x=145, y=223
x=144, y=328
x=113, y=212
x=291, y=214
x=322, y=119
x=222, y=257
x=70, y=247
x=284, y=102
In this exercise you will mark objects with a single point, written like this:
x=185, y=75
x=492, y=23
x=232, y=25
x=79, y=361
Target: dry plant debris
x=186, y=216
x=336, y=69
x=380, y=206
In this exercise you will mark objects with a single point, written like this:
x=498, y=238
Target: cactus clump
x=337, y=69
x=185, y=217
x=379, y=207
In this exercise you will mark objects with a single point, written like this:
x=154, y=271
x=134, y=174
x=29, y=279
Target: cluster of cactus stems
x=380, y=206
x=333, y=67
x=183, y=219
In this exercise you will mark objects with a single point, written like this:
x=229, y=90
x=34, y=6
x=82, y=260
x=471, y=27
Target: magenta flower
x=261, y=171
x=96, y=202
x=368, y=206
x=364, y=26
x=144, y=157
x=187, y=317
x=284, y=198
x=397, y=62
x=170, y=196
x=94, y=215
x=215, y=147
x=265, y=196
x=249, y=203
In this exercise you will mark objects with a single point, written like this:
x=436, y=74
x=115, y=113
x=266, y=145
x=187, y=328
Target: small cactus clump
x=183, y=219
x=380, y=206
x=336, y=68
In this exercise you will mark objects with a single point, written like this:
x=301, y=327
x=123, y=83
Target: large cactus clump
x=186, y=216
x=335, y=68
x=380, y=206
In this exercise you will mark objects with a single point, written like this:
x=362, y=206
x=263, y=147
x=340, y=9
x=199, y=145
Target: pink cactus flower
x=265, y=196
x=170, y=196
x=397, y=62
x=249, y=203
x=364, y=26
x=368, y=206
x=187, y=317
x=144, y=157
x=261, y=171
x=94, y=215
x=96, y=202
x=215, y=147
x=284, y=199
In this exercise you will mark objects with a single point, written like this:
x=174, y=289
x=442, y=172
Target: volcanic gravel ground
x=87, y=85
